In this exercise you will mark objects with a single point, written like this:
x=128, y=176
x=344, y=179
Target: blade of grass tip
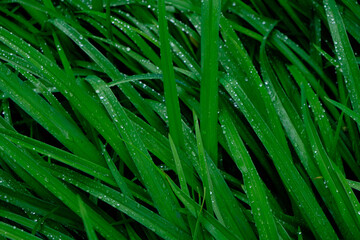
x=353, y=184
x=49, y=4
x=90, y=232
x=116, y=174
x=198, y=220
x=179, y=168
x=344, y=52
x=354, y=115
x=202, y=163
x=170, y=92
x=300, y=236
x=210, y=17
x=6, y=110
x=255, y=188
x=65, y=62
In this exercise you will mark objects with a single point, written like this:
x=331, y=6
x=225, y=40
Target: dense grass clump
x=179, y=119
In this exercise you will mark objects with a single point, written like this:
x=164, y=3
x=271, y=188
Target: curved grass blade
x=109, y=69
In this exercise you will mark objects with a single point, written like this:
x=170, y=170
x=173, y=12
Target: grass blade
x=210, y=17
x=170, y=92
x=12, y=232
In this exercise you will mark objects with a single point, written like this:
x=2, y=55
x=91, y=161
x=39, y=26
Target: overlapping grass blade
x=219, y=197
x=154, y=182
x=141, y=214
x=56, y=187
x=210, y=223
x=255, y=188
x=334, y=180
x=57, y=124
x=109, y=69
x=297, y=187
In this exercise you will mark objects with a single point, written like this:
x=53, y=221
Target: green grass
x=182, y=119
